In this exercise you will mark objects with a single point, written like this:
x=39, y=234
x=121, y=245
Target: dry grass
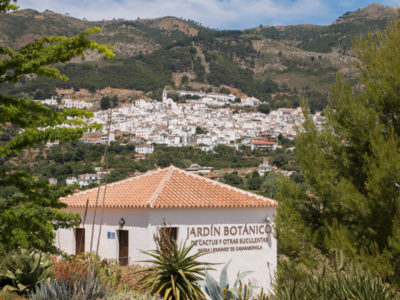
x=130, y=277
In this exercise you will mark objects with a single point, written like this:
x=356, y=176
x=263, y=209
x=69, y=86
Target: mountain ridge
x=151, y=53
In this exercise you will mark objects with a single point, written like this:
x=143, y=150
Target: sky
x=218, y=14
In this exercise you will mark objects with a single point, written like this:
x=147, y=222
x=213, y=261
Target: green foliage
x=91, y=289
x=184, y=79
x=72, y=271
x=23, y=270
x=255, y=181
x=108, y=102
x=233, y=179
x=352, y=168
x=264, y=108
x=221, y=290
x=6, y=5
x=270, y=185
x=174, y=272
x=4, y=295
x=200, y=130
x=29, y=209
x=334, y=278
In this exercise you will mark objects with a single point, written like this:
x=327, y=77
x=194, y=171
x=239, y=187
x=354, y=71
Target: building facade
x=223, y=222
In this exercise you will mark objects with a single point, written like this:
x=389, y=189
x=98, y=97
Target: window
x=79, y=240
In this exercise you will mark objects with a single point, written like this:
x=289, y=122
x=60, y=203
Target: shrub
x=333, y=278
x=90, y=289
x=72, y=270
x=4, y=295
x=132, y=296
x=130, y=277
x=175, y=273
x=23, y=270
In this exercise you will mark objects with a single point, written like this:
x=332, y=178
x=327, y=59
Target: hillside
x=293, y=61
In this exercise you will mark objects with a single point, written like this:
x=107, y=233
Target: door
x=123, y=239
x=79, y=240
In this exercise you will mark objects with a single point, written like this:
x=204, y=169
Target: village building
x=69, y=103
x=52, y=180
x=196, y=168
x=88, y=179
x=144, y=149
x=262, y=145
x=222, y=221
x=71, y=180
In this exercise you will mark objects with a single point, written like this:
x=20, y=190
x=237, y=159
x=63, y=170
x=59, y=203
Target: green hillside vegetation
x=302, y=60
x=76, y=158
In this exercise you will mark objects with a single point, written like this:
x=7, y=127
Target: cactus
x=222, y=291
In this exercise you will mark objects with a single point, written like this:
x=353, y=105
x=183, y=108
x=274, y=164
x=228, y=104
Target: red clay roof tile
x=169, y=188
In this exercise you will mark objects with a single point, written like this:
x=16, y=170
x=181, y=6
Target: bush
x=4, y=295
x=332, y=278
x=23, y=270
x=132, y=296
x=130, y=277
x=73, y=270
x=174, y=273
x=90, y=289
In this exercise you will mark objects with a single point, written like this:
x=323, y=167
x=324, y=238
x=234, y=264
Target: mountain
x=278, y=64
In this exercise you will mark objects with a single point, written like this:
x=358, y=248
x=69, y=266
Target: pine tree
x=352, y=167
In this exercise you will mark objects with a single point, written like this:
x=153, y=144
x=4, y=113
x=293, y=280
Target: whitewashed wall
x=196, y=222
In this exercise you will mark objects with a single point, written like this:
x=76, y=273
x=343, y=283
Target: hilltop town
x=212, y=120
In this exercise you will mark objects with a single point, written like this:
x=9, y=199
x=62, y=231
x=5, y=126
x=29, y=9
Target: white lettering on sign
x=230, y=238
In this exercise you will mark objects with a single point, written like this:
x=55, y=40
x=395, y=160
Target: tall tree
x=352, y=167
x=30, y=209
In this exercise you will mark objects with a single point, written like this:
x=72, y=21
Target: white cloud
x=212, y=13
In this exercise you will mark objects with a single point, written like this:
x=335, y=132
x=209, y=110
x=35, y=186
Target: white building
x=52, y=101
x=263, y=145
x=52, y=181
x=144, y=149
x=71, y=180
x=225, y=222
x=69, y=103
x=87, y=179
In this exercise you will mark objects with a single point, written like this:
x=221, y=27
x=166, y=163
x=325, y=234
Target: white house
x=144, y=149
x=222, y=221
x=87, y=179
x=71, y=180
x=263, y=145
x=69, y=103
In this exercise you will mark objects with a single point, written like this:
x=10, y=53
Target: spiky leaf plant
x=91, y=289
x=23, y=270
x=174, y=272
x=222, y=290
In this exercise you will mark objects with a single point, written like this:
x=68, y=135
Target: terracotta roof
x=169, y=188
x=263, y=143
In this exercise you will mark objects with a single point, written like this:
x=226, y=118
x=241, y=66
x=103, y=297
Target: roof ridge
x=148, y=173
x=161, y=185
x=224, y=185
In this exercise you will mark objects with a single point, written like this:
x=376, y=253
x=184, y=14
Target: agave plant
x=24, y=270
x=222, y=290
x=91, y=289
x=174, y=272
x=133, y=296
